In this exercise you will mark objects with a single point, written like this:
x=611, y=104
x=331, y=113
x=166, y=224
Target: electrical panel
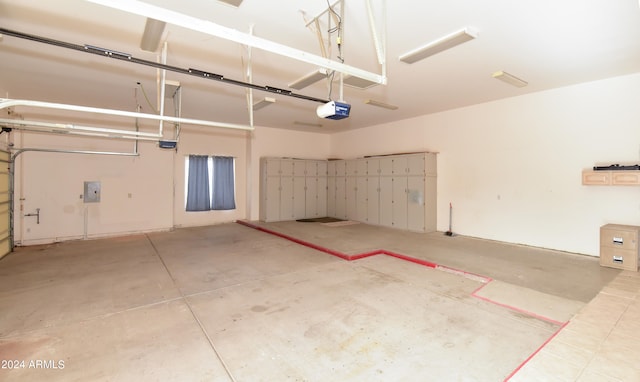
x=91, y=192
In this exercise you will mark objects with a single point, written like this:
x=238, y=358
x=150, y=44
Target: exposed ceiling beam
x=207, y=27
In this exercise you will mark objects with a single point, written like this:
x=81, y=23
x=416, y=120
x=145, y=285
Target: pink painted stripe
x=427, y=264
x=535, y=352
x=540, y=317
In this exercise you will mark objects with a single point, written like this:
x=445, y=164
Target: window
x=209, y=183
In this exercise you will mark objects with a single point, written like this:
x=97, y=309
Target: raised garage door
x=5, y=204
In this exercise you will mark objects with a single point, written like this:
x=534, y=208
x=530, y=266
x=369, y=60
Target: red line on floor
x=485, y=280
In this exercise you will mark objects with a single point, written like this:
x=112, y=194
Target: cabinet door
x=272, y=199
x=331, y=196
x=299, y=167
x=399, y=202
x=373, y=167
x=286, y=198
x=373, y=202
x=299, y=198
x=311, y=168
x=321, y=196
x=386, y=166
x=625, y=178
x=273, y=167
x=352, y=167
x=386, y=201
x=311, y=197
x=415, y=203
x=415, y=164
x=602, y=178
x=341, y=166
x=321, y=168
x=399, y=165
x=286, y=167
x=351, y=197
x=361, y=199
x=331, y=168
x=361, y=167
x=341, y=207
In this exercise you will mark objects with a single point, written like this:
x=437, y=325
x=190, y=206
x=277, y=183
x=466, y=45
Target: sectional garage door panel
x=5, y=204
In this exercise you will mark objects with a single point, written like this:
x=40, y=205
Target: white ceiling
x=548, y=43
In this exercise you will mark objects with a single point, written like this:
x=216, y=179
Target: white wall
x=134, y=196
x=512, y=168
x=139, y=194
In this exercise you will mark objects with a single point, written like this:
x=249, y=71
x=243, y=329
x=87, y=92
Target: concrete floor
x=230, y=302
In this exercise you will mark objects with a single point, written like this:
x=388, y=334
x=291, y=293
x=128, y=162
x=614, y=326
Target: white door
x=361, y=199
x=321, y=196
x=331, y=196
x=415, y=203
x=400, y=202
x=341, y=207
x=272, y=199
x=286, y=198
x=299, y=197
x=351, y=191
x=311, y=197
x=373, y=200
x=386, y=201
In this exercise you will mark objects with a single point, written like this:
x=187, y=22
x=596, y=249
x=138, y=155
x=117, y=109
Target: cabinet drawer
x=619, y=258
x=625, y=178
x=596, y=178
x=619, y=237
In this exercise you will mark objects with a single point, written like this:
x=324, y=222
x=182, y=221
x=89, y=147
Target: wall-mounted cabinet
x=611, y=178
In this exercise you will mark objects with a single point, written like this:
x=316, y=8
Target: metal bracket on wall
x=36, y=214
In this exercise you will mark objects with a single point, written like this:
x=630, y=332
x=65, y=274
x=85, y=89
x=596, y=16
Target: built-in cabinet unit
x=292, y=189
x=396, y=191
x=611, y=178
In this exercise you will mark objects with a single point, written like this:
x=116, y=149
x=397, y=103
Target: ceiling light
x=235, y=3
x=359, y=83
x=380, y=104
x=266, y=101
x=510, y=79
x=171, y=87
x=153, y=30
x=437, y=46
x=309, y=124
x=309, y=79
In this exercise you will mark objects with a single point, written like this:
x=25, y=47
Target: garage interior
x=322, y=190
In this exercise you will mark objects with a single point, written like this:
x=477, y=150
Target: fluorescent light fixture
x=358, y=82
x=153, y=30
x=439, y=45
x=170, y=88
x=373, y=102
x=266, y=101
x=309, y=79
x=308, y=124
x=509, y=78
x=209, y=28
x=235, y=3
